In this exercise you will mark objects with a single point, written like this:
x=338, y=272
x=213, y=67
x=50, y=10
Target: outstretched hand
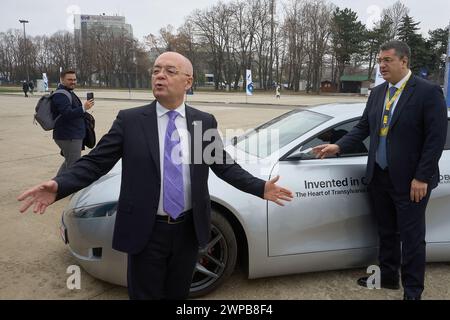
x=275, y=193
x=325, y=150
x=41, y=196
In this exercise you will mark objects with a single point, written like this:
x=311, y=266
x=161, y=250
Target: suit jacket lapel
x=406, y=95
x=191, y=119
x=379, y=104
x=149, y=124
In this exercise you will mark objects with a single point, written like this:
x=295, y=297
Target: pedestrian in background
x=31, y=86
x=25, y=88
x=70, y=129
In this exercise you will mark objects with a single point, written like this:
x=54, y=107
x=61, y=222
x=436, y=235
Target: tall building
x=85, y=22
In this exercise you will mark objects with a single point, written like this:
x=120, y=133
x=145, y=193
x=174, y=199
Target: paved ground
x=33, y=259
x=289, y=98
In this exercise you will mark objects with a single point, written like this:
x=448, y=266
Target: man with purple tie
x=163, y=215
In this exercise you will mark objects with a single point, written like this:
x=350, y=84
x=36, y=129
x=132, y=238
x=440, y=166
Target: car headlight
x=96, y=211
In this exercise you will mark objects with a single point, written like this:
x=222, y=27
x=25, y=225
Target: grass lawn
x=10, y=89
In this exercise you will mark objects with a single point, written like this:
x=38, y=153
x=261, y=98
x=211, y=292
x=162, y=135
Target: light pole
x=25, y=48
x=136, y=69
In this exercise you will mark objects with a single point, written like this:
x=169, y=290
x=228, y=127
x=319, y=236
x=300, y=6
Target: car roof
x=338, y=110
x=342, y=110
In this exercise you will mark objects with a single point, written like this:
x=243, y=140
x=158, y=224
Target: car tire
x=219, y=257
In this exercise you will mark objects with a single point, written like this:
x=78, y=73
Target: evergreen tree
x=421, y=57
x=408, y=29
x=438, y=43
x=374, y=39
x=347, y=38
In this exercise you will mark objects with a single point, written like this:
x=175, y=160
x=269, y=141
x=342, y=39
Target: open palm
x=41, y=196
x=275, y=193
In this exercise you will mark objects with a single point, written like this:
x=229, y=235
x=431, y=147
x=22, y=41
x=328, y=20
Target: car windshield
x=279, y=132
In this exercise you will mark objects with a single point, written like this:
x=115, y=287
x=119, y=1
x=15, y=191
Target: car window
x=332, y=135
x=447, y=142
x=279, y=132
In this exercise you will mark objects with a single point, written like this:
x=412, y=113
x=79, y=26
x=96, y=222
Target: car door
x=330, y=210
x=437, y=216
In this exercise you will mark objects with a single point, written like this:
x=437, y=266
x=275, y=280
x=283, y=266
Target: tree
x=374, y=39
x=407, y=30
x=394, y=15
x=63, y=52
x=295, y=33
x=263, y=34
x=245, y=29
x=348, y=36
x=318, y=21
x=420, y=51
x=9, y=55
x=438, y=44
x=207, y=24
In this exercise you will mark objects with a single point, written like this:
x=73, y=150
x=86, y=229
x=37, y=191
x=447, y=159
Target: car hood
x=104, y=190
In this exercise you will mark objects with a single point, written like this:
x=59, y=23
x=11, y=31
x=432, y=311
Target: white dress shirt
x=398, y=85
x=181, y=124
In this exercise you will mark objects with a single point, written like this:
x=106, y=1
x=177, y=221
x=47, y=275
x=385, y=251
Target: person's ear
x=189, y=83
x=405, y=61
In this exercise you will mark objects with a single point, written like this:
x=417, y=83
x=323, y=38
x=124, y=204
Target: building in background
x=327, y=86
x=356, y=83
x=116, y=24
x=111, y=39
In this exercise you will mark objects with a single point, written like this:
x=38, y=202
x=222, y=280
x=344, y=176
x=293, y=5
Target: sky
x=148, y=16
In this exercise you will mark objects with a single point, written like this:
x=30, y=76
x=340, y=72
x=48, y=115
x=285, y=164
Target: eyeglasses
x=169, y=71
x=385, y=60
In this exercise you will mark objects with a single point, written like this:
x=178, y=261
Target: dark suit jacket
x=134, y=138
x=416, y=136
x=71, y=124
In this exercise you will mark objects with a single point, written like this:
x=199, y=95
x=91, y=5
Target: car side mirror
x=300, y=154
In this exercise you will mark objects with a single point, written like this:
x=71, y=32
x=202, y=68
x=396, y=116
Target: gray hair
x=401, y=49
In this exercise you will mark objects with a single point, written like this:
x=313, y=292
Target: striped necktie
x=173, y=186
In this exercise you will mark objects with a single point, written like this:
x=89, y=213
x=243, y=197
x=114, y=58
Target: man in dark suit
x=406, y=119
x=164, y=208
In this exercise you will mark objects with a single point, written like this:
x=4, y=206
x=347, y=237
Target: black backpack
x=44, y=113
x=89, y=139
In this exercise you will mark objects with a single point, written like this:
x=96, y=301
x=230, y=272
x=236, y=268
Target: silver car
x=327, y=226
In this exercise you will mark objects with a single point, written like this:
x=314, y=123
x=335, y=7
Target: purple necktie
x=173, y=187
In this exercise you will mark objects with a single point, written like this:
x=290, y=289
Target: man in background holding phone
x=70, y=129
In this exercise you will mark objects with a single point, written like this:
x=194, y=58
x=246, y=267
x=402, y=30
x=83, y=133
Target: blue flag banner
x=379, y=77
x=249, y=83
x=44, y=77
x=447, y=85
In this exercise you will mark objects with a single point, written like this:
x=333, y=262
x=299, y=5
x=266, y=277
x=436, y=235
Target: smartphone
x=90, y=96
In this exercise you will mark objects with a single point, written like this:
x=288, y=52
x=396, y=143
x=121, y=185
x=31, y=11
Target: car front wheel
x=217, y=260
